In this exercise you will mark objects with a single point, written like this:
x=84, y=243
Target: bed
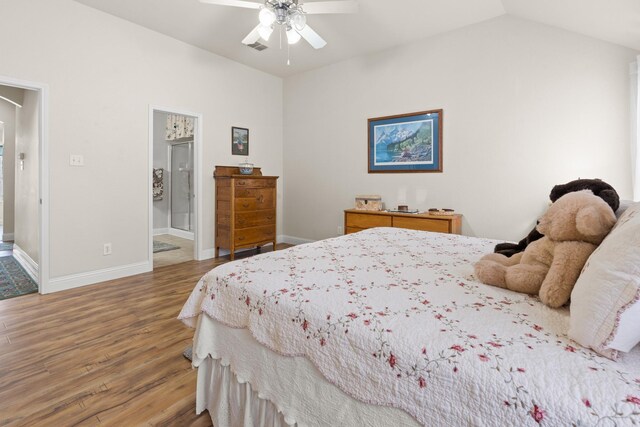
x=388, y=327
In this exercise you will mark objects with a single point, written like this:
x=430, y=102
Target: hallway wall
x=26, y=179
x=8, y=116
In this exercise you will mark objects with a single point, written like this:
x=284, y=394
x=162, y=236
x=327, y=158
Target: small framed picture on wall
x=239, y=141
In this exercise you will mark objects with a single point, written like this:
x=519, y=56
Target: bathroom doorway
x=174, y=187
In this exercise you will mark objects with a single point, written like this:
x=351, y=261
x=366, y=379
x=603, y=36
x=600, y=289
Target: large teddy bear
x=573, y=227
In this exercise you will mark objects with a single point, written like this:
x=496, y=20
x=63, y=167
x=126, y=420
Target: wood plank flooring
x=105, y=354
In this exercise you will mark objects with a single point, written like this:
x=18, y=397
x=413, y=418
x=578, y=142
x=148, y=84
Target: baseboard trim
x=160, y=231
x=7, y=237
x=29, y=265
x=292, y=240
x=206, y=254
x=91, y=277
x=189, y=235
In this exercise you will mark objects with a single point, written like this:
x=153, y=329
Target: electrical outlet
x=107, y=249
x=76, y=160
x=340, y=229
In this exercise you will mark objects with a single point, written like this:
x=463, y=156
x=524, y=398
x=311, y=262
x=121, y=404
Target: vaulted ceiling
x=379, y=25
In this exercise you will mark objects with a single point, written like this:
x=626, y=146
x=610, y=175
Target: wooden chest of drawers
x=356, y=220
x=245, y=209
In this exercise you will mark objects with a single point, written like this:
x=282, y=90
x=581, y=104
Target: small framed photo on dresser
x=239, y=141
x=406, y=143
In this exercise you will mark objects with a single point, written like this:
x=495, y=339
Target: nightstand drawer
x=425, y=224
x=367, y=221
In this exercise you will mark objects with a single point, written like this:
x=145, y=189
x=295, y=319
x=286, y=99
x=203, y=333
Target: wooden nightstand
x=358, y=220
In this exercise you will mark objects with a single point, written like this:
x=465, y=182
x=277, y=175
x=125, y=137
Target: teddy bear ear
x=594, y=222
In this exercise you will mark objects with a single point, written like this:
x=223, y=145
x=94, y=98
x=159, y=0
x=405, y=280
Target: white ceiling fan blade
x=252, y=37
x=235, y=3
x=312, y=37
x=317, y=7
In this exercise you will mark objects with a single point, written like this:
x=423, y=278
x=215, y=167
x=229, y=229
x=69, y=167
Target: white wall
x=26, y=227
x=12, y=94
x=8, y=116
x=161, y=160
x=526, y=106
x=103, y=74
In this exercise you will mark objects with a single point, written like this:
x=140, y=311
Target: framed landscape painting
x=406, y=143
x=239, y=141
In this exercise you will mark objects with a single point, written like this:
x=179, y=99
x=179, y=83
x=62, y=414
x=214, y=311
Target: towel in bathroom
x=158, y=185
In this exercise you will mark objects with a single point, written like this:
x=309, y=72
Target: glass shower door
x=182, y=186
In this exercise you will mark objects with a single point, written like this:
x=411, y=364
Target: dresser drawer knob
x=245, y=205
x=242, y=183
x=241, y=238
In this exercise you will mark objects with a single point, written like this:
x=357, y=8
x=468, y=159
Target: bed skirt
x=234, y=368
x=231, y=402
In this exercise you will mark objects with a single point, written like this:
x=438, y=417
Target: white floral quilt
x=394, y=317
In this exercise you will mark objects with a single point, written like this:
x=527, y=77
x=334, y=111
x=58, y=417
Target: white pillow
x=624, y=204
x=605, y=302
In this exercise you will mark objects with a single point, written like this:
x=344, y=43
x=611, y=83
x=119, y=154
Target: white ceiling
x=379, y=25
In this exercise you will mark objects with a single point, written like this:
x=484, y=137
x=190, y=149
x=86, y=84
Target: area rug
x=6, y=246
x=14, y=281
x=163, y=247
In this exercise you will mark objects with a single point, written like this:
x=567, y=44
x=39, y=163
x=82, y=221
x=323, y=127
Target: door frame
x=43, y=174
x=197, y=168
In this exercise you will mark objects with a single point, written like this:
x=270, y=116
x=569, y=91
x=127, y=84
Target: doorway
x=174, y=153
x=25, y=184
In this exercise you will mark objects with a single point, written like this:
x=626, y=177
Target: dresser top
x=234, y=172
x=409, y=215
x=241, y=176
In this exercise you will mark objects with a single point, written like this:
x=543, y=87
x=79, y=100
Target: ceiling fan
x=290, y=15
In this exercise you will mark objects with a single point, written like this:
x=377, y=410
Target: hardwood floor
x=106, y=354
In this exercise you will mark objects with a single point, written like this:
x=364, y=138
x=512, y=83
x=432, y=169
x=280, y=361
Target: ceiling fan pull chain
x=280, y=27
x=288, y=54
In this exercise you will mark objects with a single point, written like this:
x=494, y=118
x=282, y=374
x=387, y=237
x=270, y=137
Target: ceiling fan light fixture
x=267, y=16
x=298, y=20
x=292, y=36
x=265, y=32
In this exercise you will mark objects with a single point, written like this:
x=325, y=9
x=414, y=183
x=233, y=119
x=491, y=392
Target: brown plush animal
x=600, y=188
x=573, y=227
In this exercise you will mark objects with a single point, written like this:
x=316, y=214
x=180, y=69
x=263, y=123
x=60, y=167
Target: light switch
x=76, y=160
